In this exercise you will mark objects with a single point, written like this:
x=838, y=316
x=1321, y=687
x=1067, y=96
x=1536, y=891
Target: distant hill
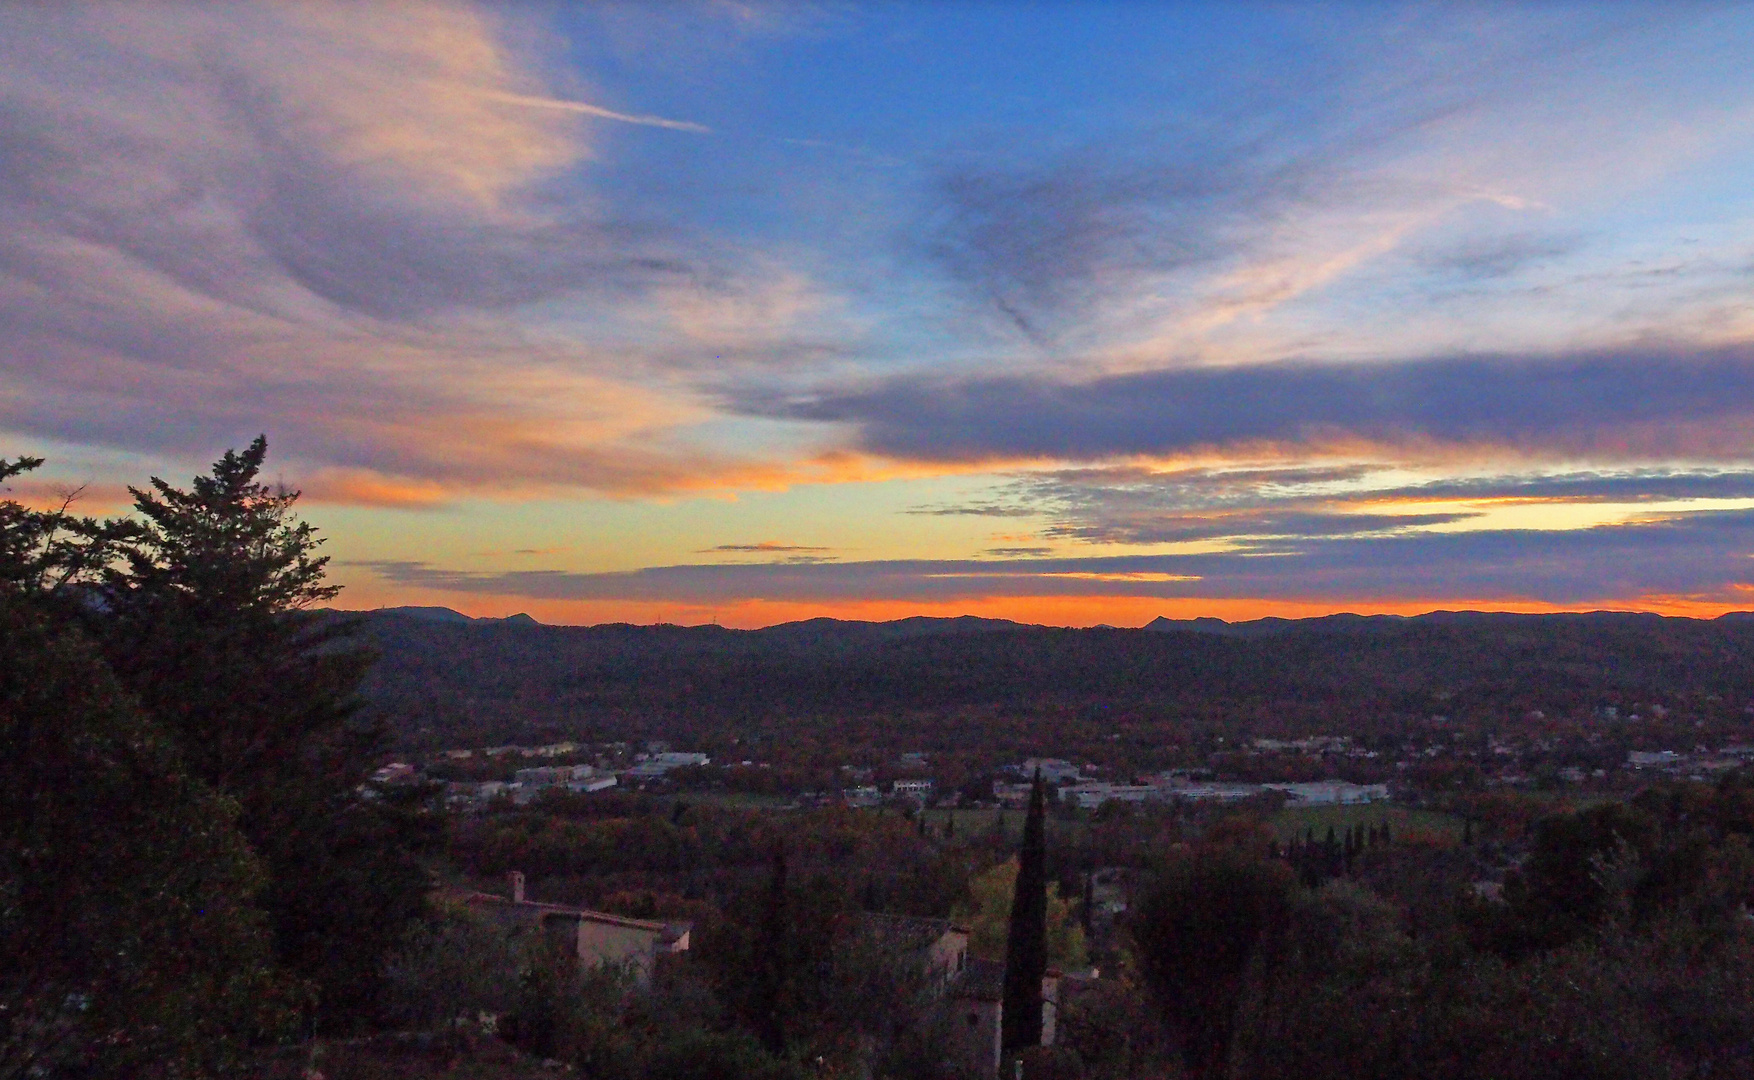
x=1349, y=623
x=443, y=676
x=445, y=614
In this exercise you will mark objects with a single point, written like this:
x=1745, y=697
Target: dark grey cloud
x=1135, y=505
x=1643, y=485
x=979, y=509
x=764, y=548
x=1703, y=555
x=1104, y=525
x=1018, y=552
x=795, y=554
x=1669, y=401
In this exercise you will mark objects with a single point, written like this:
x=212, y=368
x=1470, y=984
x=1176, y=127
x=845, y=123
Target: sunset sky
x=1073, y=313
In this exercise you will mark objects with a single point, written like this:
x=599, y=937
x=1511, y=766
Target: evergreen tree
x=44, y=551
x=1087, y=909
x=1197, y=930
x=129, y=945
x=1026, y=942
x=206, y=620
x=773, y=947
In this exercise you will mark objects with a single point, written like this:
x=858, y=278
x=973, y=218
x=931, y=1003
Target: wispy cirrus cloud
x=601, y=113
x=329, y=223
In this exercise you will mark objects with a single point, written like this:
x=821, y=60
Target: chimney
x=517, y=879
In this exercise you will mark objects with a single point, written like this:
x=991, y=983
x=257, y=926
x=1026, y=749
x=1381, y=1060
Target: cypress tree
x=770, y=972
x=1026, y=958
x=1086, y=908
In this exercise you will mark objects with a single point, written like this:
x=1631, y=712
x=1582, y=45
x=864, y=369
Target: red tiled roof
x=565, y=911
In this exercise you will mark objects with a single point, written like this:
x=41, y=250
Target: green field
x=1287, y=824
x=737, y=800
x=980, y=822
x=1291, y=823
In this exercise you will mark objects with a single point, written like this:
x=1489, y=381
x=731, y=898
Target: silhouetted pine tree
x=206, y=620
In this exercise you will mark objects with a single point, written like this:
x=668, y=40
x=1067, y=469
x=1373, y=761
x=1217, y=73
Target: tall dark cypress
x=1087, y=908
x=1026, y=946
x=770, y=971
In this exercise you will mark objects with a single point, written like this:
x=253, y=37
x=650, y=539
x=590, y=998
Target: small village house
x=597, y=936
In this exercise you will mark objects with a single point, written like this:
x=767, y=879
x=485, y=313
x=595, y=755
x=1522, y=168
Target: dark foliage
x=128, y=940
x=203, y=619
x=1013, y=690
x=1026, y=944
x=1197, y=928
x=773, y=961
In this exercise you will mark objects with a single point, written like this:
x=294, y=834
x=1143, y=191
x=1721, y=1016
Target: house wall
x=947, y=954
x=607, y=943
x=975, y=1031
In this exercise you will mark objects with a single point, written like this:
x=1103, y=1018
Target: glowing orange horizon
x=1041, y=610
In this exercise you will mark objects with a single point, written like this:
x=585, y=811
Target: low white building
x=1053, y=770
x=1332, y=793
x=1092, y=794
x=655, y=765
x=913, y=789
x=1655, y=759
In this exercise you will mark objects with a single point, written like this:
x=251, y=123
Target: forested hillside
x=453, y=679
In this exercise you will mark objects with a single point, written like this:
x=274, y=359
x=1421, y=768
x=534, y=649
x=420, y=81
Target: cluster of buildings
x=1175, y=786
x=613, y=765
x=1700, y=764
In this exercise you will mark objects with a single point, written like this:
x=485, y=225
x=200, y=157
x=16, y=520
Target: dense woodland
x=823, y=693
x=197, y=879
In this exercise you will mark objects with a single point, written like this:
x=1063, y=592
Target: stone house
x=971, y=990
x=597, y=936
